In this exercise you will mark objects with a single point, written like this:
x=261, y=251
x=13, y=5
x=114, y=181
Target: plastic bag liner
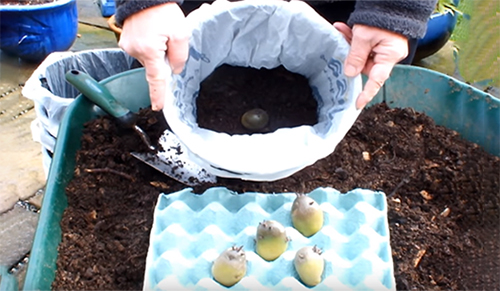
x=48, y=88
x=264, y=34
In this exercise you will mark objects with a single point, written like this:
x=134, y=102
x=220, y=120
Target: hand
x=153, y=35
x=374, y=52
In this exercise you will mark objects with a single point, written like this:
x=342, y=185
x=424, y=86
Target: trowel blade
x=174, y=162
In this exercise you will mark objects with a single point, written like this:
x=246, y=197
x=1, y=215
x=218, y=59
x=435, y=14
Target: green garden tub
x=451, y=103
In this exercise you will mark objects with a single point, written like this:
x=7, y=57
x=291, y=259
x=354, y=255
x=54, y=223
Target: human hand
x=152, y=36
x=374, y=52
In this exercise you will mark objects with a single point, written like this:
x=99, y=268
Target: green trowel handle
x=100, y=96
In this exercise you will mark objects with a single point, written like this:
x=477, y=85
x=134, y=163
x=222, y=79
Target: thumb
x=344, y=29
x=358, y=55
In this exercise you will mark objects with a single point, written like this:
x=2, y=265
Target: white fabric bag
x=264, y=34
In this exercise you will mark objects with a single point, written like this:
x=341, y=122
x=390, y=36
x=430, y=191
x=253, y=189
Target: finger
x=344, y=29
x=157, y=89
x=368, y=66
x=358, y=55
x=379, y=73
x=178, y=52
x=156, y=74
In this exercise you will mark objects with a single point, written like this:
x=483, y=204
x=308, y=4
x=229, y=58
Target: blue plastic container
x=107, y=7
x=32, y=32
x=439, y=29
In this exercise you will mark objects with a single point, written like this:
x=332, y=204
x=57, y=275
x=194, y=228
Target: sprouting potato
x=307, y=216
x=310, y=265
x=271, y=240
x=230, y=267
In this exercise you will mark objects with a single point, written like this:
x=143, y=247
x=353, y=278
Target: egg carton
x=191, y=230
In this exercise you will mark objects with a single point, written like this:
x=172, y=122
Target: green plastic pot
x=451, y=103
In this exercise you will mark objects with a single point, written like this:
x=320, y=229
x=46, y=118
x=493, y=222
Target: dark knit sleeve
x=407, y=17
x=125, y=8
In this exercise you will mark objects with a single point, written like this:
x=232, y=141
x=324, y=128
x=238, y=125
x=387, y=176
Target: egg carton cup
x=191, y=230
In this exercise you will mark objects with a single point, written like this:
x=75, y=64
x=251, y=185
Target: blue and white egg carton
x=190, y=231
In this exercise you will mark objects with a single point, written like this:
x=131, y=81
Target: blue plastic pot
x=439, y=29
x=32, y=32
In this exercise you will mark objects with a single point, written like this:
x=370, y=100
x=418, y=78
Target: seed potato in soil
x=442, y=191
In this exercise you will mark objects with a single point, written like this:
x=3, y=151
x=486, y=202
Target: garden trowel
x=171, y=159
